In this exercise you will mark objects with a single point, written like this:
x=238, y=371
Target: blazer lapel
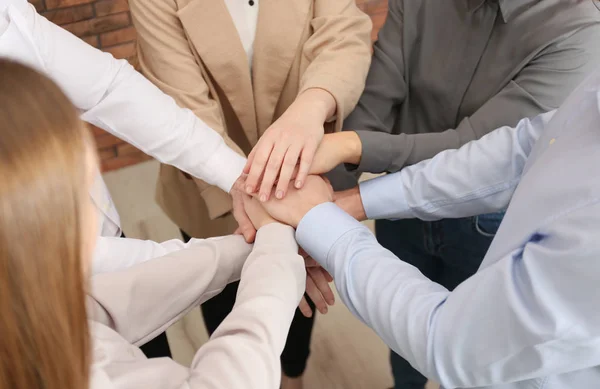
x=212, y=32
x=278, y=34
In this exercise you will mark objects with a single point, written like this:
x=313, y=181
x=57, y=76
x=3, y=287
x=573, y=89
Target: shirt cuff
x=384, y=198
x=377, y=151
x=320, y=229
x=226, y=167
x=276, y=235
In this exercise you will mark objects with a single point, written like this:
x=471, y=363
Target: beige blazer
x=192, y=51
x=130, y=307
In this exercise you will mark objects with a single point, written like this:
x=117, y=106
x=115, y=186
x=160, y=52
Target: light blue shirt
x=530, y=317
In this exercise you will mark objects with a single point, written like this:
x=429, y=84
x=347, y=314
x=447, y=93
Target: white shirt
x=245, y=18
x=113, y=96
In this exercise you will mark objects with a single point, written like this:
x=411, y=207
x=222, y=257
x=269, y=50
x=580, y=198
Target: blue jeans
x=446, y=251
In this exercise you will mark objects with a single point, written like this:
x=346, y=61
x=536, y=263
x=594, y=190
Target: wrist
x=321, y=102
x=352, y=147
x=299, y=213
x=351, y=202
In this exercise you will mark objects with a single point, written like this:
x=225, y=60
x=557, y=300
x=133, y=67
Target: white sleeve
x=113, y=96
x=113, y=253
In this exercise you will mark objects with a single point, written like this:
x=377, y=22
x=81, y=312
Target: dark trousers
x=297, y=347
x=157, y=347
x=447, y=252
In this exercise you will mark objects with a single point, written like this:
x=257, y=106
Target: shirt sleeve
x=112, y=95
x=377, y=108
x=528, y=314
x=541, y=86
x=114, y=253
x=248, y=342
x=478, y=178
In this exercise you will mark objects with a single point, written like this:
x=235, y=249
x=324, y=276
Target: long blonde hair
x=45, y=342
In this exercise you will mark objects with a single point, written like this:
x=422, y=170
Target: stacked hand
x=317, y=278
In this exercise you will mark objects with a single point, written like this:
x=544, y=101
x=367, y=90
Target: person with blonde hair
x=53, y=336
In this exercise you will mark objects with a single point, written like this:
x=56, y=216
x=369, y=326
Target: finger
x=272, y=170
x=328, y=276
x=303, y=253
x=249, y=162
x=308, y=153
x=315, y=295
x=245, y=224
x=261, y=157
x=305, y=308
x=287, y=169
x=238, y=231
x=322, y=284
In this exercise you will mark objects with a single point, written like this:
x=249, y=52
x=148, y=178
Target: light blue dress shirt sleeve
x=478, y=178
x=533, y=313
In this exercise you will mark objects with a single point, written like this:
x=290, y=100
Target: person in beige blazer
x=267, y=73
x=54, y=337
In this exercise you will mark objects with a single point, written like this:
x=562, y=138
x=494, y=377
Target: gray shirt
x=447, y=72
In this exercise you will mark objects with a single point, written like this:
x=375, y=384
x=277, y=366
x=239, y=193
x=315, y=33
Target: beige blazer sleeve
x=144, y=300
x=340, y=53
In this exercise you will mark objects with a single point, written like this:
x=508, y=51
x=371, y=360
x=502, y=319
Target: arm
x=113, y=96
x=126, y=299
x=478, y=178
x=541, y=86
x=528, y=313
x=113, y=254
x=339, y=54
x=250, y=340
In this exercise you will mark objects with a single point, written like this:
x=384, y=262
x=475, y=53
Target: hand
x=337, y=148
x=294, y=136
x=317, y=287
x=298, y=202
x=351, y=202
x=257, y=213
x=246, y=227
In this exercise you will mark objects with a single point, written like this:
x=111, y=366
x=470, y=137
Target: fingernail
x=263, y=197
x=249, y=189
x=279, y=194
x=324, y=311
x=298, y=184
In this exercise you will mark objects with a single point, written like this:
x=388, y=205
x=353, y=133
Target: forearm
x=250, y=340
x=478, y=178
x=126, y=299
x=113, y=96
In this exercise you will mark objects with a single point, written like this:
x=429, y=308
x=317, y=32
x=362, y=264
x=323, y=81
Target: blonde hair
x=43, y=173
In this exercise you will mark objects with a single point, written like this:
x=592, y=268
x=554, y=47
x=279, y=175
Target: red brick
x=107, y=140
x=52, y=4
x=99, y=25
x=125, y=50
x=121, y=162
x=70, y=15
x=96, y=130
x=378, y=20
x=109, y=7
x=91, y=40
x=120, y=36
x=107, y=153
x=38, y=4
x=126, y=150
x=376, y=6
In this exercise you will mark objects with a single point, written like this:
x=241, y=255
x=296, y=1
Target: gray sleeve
x=385, y=90
x=385, y=87
x=540, y=87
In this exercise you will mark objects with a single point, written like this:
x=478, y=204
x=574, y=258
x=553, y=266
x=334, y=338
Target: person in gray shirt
x=445, y=73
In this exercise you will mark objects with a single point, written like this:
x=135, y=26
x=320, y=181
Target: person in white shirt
x=271, y=77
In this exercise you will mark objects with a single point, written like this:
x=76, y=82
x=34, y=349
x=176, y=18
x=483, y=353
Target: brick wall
x=106, y=24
